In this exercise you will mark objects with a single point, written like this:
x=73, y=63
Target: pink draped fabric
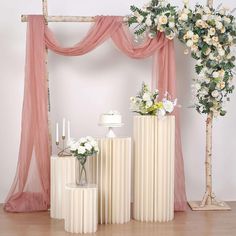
x=31, y=186
x=36, y=138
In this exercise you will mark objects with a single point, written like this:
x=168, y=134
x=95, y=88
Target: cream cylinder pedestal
x=114, y=180
x=154, y=152
x=62, y=172
x=81, y=209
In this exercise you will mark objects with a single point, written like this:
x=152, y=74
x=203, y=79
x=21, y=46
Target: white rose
x=81, y=150
x=208, y=40
x=189, y=33
x=88, y=146
x=221, y=52
x=223, y=30
x=148, y=21
x=221, y=85
x=163, y=20
x=171, y=24
x=215, y=94
x=189, y=43
x=149, y=104
x=212, y=31
x=184, y=17
x=168, y=106
x=219, y=25
x=195, y=38
x=146, y=97
x=215, y=74
x=94, y=143
x=199, y=23
x=205, y=17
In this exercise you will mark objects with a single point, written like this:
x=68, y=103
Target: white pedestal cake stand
x=110, y=133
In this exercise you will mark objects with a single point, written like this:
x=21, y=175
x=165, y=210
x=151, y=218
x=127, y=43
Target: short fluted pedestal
x=81, y=209
x=114, y=180
x=154, y=149
x=62, y=172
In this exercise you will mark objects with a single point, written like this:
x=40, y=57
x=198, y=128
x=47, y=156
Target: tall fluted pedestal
x=114, y=180
x=154, y=141
x=81, y=209
x=62, y=172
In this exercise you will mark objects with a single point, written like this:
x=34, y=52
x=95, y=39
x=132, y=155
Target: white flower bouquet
x=86, y=146
x=146, y=103
x=82, y=149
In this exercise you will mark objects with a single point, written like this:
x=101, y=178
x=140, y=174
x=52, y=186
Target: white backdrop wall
x=83, y=87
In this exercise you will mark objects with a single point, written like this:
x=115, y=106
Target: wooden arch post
x=209, y=202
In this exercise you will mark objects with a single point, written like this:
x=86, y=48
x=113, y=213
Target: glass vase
x=80, y=171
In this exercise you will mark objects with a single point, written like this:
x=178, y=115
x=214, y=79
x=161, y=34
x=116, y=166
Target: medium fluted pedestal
x=114, y=180
x=62, y=172
x=154, y=151
x=81, y=209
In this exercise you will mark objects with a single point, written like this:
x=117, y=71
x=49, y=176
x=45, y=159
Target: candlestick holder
x=64, y=150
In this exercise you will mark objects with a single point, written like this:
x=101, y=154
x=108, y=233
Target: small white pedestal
x=62, y=172
x=154, y=152
x=81, y=209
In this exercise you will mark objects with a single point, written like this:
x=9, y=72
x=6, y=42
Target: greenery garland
x=209, y=35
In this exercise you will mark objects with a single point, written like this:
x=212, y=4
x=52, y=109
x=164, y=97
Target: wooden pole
x=45, y=14
x=207, y=199
x=24, y=18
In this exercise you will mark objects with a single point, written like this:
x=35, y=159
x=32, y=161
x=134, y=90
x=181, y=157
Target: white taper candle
x=57, y=133
x=68, y=130
x=63, y=127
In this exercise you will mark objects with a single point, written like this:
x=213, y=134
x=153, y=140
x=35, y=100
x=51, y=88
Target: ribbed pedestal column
x=81, y=209
x=114, y=180
x=154, y=150
x=62, y=172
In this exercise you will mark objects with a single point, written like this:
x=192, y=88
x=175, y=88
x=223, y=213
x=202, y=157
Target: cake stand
x=110, y=133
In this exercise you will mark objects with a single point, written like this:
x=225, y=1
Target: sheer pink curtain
x=34, y=140
x=31, y=186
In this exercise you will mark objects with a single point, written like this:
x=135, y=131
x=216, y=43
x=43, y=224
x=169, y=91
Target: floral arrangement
x=209, y=34
x=83, y=148
x=153, y=17
x=145, y=103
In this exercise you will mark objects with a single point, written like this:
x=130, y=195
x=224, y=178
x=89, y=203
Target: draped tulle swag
x=30, y=190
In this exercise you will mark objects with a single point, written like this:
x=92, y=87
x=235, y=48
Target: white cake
x=111, y=117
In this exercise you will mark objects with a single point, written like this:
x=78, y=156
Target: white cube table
x=81, y=208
